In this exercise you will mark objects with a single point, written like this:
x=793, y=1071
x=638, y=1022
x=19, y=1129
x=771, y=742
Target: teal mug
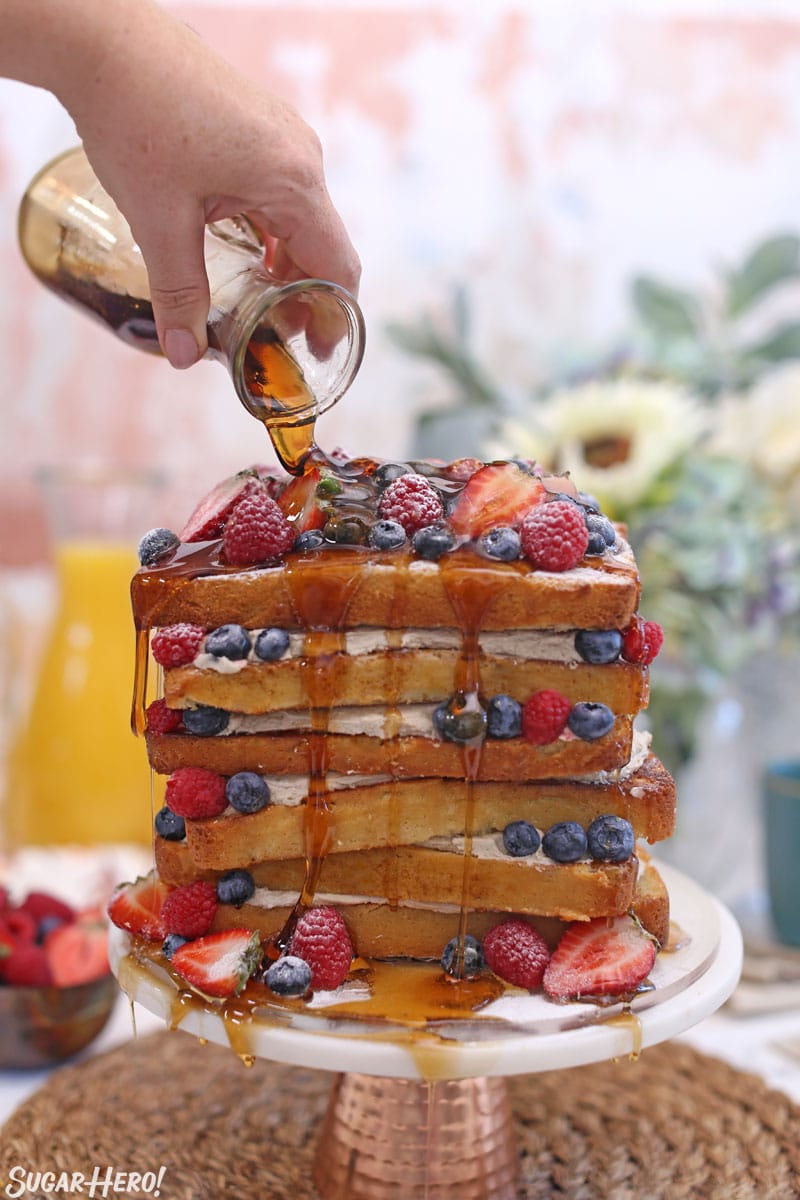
x=782, y=825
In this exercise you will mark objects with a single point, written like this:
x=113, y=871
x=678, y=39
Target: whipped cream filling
x=490, y=846
x=408, y=720
x=266, y=898
x=290, y=791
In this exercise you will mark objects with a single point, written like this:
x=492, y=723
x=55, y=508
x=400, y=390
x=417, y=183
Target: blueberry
x=467, y=964
x=346, y=531
x=433, y=541
x=288, y=976
x=563, y=496
x=588, y=502
x=228, y=641
x=387, y=535
x=388, y=472
x=601, y=533
x=169, y=825
x=172, y=942
x=235, y=887
x=589, y=720
x=47, y=925
x=462, y=720
x=439, y=714
x=310, y=539
x=564, y=842
x=502, y=543
x=520, y=839
x=157, y=545
x=610, y=838
x=271, y=644
x=504, y=717
x=598, y=645
x=247, y=792
x=205, y=721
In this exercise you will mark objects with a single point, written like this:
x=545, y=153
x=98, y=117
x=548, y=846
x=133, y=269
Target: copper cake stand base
x=403, y=1139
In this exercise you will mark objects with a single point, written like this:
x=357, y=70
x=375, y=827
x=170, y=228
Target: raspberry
x=642, y=641
x=161, y=719
x=194, y=792
x=544, y=716
x=517, y=953
x=256, y=531
x=554, y=535
x=27, y=966
x=177, y=645
x=411, y=501
x=321, y=939
x=190, y=910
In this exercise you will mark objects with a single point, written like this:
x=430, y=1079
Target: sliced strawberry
x=498, y=494
x=219, y=964
x=604, y=957
x=209, y=516
x=137, y=907
x=299, y=502
x=77, y=953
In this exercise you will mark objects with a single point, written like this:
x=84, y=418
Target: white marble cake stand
x=415, y=1117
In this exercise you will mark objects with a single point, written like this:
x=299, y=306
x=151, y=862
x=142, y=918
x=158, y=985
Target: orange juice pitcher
x=75, y=772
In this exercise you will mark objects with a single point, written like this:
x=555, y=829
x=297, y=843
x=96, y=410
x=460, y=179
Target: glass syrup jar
x=292, y=349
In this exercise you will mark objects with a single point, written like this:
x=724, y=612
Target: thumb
x=173, y=254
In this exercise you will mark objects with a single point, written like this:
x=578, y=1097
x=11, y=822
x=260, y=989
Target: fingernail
x=180, y=348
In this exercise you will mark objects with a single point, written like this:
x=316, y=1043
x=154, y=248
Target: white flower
x=762, y=427
x=614, y=437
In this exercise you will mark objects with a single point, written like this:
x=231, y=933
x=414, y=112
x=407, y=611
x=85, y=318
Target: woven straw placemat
x=674, y=1124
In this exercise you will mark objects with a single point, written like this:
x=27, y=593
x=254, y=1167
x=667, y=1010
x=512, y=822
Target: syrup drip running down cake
x=397, y=726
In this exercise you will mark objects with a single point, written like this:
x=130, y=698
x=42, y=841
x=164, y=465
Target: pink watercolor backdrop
x=546, y=152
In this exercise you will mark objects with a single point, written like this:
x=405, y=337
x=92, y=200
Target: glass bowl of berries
x=56, y=989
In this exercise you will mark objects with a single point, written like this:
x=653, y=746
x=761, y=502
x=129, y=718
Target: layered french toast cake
x=395, y=714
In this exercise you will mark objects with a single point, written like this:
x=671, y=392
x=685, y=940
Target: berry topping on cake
x=190, y=910
x=157, y=545
x=196, y=793
x=137, y=907
x=288, y=976
x=271, y=644
x=299, y=502
x=228, y=641
x=598, y=645
x=387, y=472
x=589, y=720
x=564, y=842
x=312, y=539
x=599, y=958
x=610, y=838
x=346, y=530
x=554, y=536
x=602, y=533
x=256, y=531
x=235, y=887
x=517, y=952
x=219, y=964
x=411, y=501
x=544, y=716
x=247, y=792
x=172, y=942
x=208, y=518
x=26, y=966
x=497, y=494
x=161, y=719
x=77, y=953
x=177, y=645
x=463, y=960
x=321, y=939
x=504, y=717
x=433, y=541
x=169, y=825
x=204, y=720
x=462, y=469
x=520, y=839
x=461, y=719
x=642, y=641
x=387, y=535
x=502, y=544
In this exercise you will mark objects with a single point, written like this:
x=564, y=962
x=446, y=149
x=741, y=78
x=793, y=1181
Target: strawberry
x=195, y=793
x=321, y=939
x=20, y=925
x=604, y=957
x=299, y=503
x=517, y=953
x=27, y=966
x=77, y=953
x=642, y=641
x=256, y=531
x=208, y=518
x=161, y=719
x=498, y=494
x=462, y=469
x=554, y=536
x=544, y=716
x=137, y=907
x=219, y=964
x=177, y=645
x=41, y=904
x=189, y=910
x=411, y=501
